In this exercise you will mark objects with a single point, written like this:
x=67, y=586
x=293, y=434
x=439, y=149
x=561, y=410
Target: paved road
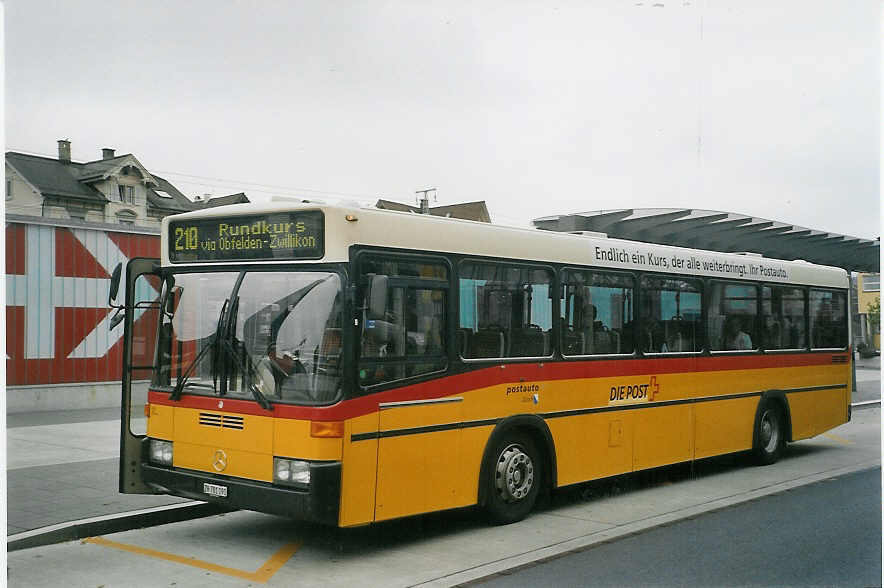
x=825, y=534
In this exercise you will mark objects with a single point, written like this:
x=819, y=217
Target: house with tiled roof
x=238, y=198
x=116, y=189
x=476, y=211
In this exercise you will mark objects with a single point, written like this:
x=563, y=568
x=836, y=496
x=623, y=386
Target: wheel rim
x=514, y=476
x=770, y=431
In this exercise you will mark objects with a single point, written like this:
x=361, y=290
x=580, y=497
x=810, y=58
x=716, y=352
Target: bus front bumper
x=318, y=504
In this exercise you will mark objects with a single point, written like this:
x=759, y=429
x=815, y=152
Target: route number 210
x=185, y=238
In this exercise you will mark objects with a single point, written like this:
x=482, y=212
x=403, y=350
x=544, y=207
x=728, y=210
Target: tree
x=873, y=310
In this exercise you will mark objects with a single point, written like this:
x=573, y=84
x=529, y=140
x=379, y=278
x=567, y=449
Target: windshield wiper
x=244, y=362
x=237, y=353
x=182, y=379
x=256, y=392
x=221, y=334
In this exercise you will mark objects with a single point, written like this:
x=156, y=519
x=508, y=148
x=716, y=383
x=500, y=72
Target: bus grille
x=839, y=359
x=224, y=421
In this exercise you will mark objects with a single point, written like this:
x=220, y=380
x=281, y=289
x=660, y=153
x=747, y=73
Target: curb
x=513, y=563
x=114, y=523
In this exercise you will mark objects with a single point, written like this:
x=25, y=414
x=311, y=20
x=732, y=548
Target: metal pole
x=425, y=201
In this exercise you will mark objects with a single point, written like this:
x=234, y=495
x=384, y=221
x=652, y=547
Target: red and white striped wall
x=57, y=317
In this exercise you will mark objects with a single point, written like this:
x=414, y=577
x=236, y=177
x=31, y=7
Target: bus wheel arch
x=772, y=427
x=525, y=443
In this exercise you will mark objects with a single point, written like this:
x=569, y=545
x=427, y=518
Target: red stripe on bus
x=501, y=374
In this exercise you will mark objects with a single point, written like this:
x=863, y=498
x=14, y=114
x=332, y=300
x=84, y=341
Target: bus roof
x=348, y=226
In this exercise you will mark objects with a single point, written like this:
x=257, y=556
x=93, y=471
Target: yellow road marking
x=838, y=439
x=261, y=575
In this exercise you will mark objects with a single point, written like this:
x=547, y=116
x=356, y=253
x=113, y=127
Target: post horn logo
x=219, y=460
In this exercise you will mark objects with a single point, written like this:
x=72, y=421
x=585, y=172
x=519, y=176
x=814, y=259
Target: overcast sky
x=765, y=108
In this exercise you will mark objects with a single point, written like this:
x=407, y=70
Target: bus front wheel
x=514, y=479
x=770, y=435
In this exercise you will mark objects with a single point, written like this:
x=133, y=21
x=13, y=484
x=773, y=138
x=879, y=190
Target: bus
x=349, y=365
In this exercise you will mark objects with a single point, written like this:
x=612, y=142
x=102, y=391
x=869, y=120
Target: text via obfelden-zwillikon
x=691, y=263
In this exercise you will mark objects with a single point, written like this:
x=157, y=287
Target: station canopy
x=723, y=231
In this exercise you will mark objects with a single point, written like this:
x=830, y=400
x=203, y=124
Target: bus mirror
x=115, y=286
x=376, y=297
x=173, y=299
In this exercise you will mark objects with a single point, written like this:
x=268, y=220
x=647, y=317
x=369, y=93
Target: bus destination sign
x=272, y=236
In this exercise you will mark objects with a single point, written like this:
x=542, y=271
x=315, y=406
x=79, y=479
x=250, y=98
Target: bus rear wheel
x=514, y=479
x=770, y=436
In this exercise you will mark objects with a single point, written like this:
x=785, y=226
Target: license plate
x=215, y=490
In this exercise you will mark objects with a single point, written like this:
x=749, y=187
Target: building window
x=127, y=194
x=871, y=282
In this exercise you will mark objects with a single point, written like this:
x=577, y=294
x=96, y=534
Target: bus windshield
x=268, y=336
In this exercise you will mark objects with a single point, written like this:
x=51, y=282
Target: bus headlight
x=161, y=452
x=291, y=472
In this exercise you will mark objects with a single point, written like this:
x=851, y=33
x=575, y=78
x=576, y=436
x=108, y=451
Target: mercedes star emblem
x=219, y=461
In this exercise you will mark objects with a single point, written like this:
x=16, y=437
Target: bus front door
x=140, y=313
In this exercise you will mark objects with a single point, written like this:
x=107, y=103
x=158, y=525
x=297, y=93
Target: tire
x=514, y=478
x=770, y=435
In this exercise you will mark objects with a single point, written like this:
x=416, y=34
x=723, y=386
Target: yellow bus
x=354, y=365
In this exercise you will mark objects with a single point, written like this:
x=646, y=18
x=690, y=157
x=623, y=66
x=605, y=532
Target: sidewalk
x=869, y=363
x=63, y=466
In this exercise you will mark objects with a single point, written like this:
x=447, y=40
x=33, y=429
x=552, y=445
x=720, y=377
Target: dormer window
x=127, y=194
x=131, y=170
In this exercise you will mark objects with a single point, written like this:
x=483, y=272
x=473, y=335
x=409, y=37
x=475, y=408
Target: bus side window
x=732, y=317
x=828, y=319
x=783, y=310
x=403, y=332
x=505, y=311
x=671, y=315
x=597, y=313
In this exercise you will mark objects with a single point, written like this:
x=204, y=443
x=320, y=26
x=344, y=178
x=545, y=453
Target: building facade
x=868, y=295
x=68, y=224
x=115, y=190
